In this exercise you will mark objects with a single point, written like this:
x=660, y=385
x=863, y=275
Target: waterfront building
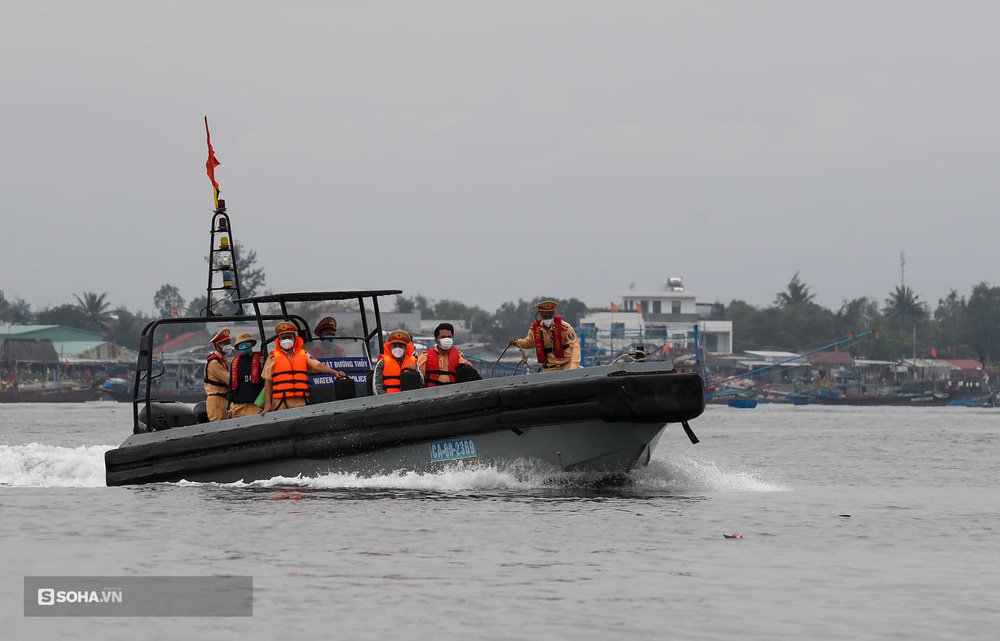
x=45, y=349
x=664, y=319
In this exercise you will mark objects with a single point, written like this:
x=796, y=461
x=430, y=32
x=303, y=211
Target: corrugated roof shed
x=54, y=333
x=65, y=343
x=28, y=350
x=965, y=363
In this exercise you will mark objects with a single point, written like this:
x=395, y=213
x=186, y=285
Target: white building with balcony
x=665, y=318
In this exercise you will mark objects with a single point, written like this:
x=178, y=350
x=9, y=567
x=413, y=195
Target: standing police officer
x=286, y=373
x=217, y=377
x=555, y=341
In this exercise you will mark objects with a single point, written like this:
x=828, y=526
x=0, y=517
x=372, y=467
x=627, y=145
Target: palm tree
x=94, y=307
x=949, y=314
x=858, y=314
x=905, y=306
x=797, y=292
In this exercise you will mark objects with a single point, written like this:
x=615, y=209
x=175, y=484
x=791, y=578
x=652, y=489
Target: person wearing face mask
x=555, y=341
x=326, y=348
x=438, y=365
x=396, y=365
x=217, y=377
x=326, y=335
x=286, y=373
x=245, y=381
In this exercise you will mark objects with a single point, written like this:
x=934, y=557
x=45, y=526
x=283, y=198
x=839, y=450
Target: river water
x=856, y=523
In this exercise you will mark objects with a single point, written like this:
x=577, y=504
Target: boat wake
x=672, y=477
x=36, y=465
x=451, y=479
x=698, y=475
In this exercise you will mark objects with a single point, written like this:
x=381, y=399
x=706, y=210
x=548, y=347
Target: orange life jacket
x=291, y=375
x=557, y=343
x=434, y=362
x=392, y=368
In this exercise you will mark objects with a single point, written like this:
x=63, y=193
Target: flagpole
x=211, y=164
x=614, y=310
x=638, y=307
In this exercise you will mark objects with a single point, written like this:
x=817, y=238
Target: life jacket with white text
x=245, y=382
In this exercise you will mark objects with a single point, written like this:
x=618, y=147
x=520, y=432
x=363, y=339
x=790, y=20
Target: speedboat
x=605, y=420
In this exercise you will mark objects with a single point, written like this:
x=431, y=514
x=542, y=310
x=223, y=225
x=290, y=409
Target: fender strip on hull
x=365, y=425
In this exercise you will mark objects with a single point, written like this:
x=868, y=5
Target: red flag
x=212, y=163
x=614, y=308
x=638, y=307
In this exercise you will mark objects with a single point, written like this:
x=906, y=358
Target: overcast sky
x=490, y=151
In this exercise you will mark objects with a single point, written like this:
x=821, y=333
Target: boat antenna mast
x=223, y=276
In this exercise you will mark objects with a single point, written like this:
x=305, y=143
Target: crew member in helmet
x=397, y=365
x=217, y=377
x=555, y=341
x=438, y=365
x=286, y=373
x=246, y=377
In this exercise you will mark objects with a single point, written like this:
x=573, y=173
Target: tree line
x=957, y=327
x=902, y=325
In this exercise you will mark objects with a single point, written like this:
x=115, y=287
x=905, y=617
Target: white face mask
x=547, y=322
x=398, y=351
x=446, y=343
x=286, y=343
x=227, y=349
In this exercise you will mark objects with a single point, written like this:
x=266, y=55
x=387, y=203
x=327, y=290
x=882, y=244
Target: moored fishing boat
x=121, y=391
x=64, y=392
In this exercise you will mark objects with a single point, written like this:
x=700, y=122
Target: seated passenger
x=438, y=366
x=396, y=365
